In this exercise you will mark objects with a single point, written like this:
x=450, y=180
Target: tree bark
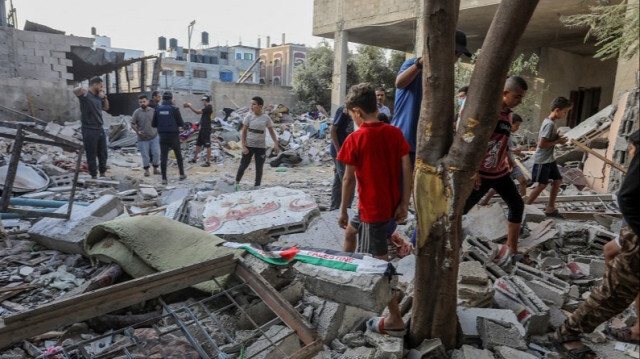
x=446, y=165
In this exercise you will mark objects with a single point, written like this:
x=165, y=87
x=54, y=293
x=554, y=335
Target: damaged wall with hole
x=234, y=95
x=34, y=65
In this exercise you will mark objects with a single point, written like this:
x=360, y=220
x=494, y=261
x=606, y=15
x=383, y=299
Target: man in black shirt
x=168, y=120
x=204, y=134
x=156, y=98
x=92, y=102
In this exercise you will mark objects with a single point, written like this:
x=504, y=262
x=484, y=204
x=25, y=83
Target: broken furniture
x=299, y=341
x=30, y=130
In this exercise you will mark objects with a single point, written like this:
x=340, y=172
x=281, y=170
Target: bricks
x=546, y=286
x=513, y=293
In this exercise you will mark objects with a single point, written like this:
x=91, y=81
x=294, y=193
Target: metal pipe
x=21, y=216
x=17, y=201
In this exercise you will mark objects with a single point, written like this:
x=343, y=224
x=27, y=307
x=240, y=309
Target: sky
x=137, y=25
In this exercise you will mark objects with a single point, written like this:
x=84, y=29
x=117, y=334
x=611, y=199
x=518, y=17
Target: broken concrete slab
x=467, y=317
x=496, y=333
x=487, y=222
x=469, y=352
x=474, y=287
x=359, y=353
x=68, y=235
x=513, y=293
x=256, y=216
x=285, y=339
x=540, y=234
x=472, y=272
x=429, y=349
x=407, y=268
x=593, y=265
x=387, y=347
x=533, y=214
x=323, y=232
x=366, y=291
x=546, y=286
x=504, y=352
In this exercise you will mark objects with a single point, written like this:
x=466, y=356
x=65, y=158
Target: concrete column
x=418, y=46
x=339, y=81
x=3, y=13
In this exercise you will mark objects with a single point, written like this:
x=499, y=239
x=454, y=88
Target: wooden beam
x=604, y=159
x=52, y=316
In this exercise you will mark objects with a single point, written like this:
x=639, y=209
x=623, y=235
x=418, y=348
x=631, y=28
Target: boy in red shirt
x=377, y=155
x=494, y=170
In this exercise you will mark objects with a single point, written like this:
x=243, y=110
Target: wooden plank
x=105, y=300
x=601, y=157
x=587, y=216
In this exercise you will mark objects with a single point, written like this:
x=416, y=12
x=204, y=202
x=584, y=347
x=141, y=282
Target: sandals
x=376, y=325
x=621, y=334
x=555, y=214
x=576, y=353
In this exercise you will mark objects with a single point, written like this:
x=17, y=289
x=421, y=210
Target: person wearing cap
x=204, y=133
x=148, y=140
x=168, y=120
x=94, y=139
x=406, y=109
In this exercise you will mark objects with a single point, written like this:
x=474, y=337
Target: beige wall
x=564, y=72
x=226, y=94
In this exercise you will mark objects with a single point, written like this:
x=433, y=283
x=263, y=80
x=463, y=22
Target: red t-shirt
x=494, y=163
x=376, y=150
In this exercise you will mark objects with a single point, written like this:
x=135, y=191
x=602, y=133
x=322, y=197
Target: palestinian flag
x=350, y=262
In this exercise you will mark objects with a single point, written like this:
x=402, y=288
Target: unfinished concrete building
x=566, y=68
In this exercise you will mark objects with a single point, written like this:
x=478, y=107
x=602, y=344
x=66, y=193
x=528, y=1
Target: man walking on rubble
x=204, y=131
x=621, y=279
x=148, y=140
x=168, y=120
x=92, y=103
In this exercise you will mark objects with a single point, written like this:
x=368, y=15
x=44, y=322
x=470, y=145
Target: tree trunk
x=446, y=166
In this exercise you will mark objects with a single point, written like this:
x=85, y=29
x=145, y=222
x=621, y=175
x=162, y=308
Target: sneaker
x=146, y=172
x=164, y=181
x=207, y=164
x=237, y=187
x=94, y=176
x=103, y=174
x=183, y=177
x=156, y=171
x=193, y=160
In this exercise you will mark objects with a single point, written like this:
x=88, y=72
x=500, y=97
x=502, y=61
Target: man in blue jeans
x=341, y=128
x=148, y=140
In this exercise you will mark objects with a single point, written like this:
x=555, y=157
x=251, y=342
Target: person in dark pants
x=253, y=139
x=92, y=102
x=204, y=132
x=341, y=128
x=168, y=120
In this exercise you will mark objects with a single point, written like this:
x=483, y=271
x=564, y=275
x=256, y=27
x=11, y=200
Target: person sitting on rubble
x=377, y=155
x=621, y=278
x=516, y=172
x=204, y=129
x=545, y=167
x=94, y=139
x=168, y=120
x=494, y=169
x=253, y=140
x=148, y=140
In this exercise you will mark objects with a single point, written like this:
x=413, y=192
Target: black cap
x=461, y=43
x=206, y=98
x=167, y=95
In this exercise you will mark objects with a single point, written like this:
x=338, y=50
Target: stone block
x=27, y=52
x=429, y=349
x=68, y=235
x=64, y=47
x=487, y=222
x=406, y=267
x=496, y=333
x=29, y=44
x=359, y=353
x=282, y=336
x=46, y=46
x=504, y=352
x=257, y=216
x=513, y=293
x=367, y=291
x=387, y=347
x=469, y=352
x=59, y=68
x=323, y=232
x=65, y=62
x=594, y=265
x=472, y=272
x=546, y=286
x=467, y=317
x=533, y=214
